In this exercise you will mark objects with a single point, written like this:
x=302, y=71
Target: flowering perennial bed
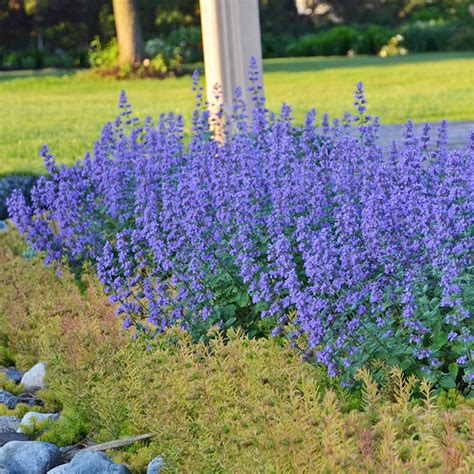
x=354, y=252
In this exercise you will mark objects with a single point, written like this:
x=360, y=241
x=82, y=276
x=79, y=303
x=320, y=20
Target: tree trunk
x=129, y=33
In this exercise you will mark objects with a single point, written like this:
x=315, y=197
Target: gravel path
x=458, y=132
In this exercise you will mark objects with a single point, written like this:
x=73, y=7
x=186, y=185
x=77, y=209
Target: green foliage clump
x=70, y=428
x=419, y=37
x=10, y=385
x=427, y=36
x=37, y=428
x=33, y=58
x=372, y=39
x=184, y=43
x=462, y=40
x=103, y=56
x=341, y=40
x=336, y=41
x=163, y=59
x=7, y=359
x=20, y=410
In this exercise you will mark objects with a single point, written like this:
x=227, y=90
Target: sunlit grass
x=67, y=110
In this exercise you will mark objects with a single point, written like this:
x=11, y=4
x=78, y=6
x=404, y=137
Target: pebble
x=8, y=399
x=9, y=424
x=29, y=457
x=27, y=420
x=155, y=466
x=90, y=462
x=12, y=373
x=33, y=379
x=7, y=437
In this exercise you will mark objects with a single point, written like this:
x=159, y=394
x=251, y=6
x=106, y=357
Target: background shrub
x=336, y=41
x=340, y=40
x=103, y=56
x=164, y=58
x=372, y=39
x=276, y=45
x=427, y=36
x=462, y=40
x=36, y=59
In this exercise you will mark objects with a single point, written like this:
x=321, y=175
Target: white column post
x=231, y=36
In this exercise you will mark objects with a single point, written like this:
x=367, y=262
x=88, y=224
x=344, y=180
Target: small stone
x=12, y=374
x=3, y=227
x=29, y=457
x=27, y=420
x=33, y=379
x=155, y=466
x=8, y=399
x=7, y=437
x=90, y=462
x=9, y=424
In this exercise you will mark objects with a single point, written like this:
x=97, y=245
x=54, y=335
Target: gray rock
x=3, y=227
x=8, y=399
x=12, y=374
x=34, y=417
x=33, y=379
x=9, y=424
x=90, y=462
x=29, y=457
x=7, y=437
x=155, y=466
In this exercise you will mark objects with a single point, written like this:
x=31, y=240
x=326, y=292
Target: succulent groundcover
x=355, y=252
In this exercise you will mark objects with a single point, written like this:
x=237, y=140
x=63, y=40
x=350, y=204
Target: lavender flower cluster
x=356, y=252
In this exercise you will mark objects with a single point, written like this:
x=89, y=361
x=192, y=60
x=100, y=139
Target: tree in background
x=50, y=24
x=129, y=33
x=168, y=16
x=63, y=33
x=379, y=12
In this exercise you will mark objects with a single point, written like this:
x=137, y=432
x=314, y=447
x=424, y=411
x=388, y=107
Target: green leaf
x=453, y=369
x=405, y=364
x=241, y=299
x=448, y=381
x=229, y=322
x=439, y=340
x=252, y=333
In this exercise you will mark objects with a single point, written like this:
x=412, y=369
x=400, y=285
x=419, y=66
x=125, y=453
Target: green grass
x=67, y=110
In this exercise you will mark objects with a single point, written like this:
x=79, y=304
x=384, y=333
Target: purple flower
x=340, y=241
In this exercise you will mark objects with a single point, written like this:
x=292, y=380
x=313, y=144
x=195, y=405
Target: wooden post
x=231, y=36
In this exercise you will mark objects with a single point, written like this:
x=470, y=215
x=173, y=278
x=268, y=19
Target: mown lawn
x=67, y=110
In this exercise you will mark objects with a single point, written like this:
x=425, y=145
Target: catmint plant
x=354, y=252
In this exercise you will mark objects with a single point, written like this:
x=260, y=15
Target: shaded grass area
x=66, y=110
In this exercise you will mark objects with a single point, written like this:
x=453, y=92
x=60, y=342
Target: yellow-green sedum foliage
x=236, y=405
